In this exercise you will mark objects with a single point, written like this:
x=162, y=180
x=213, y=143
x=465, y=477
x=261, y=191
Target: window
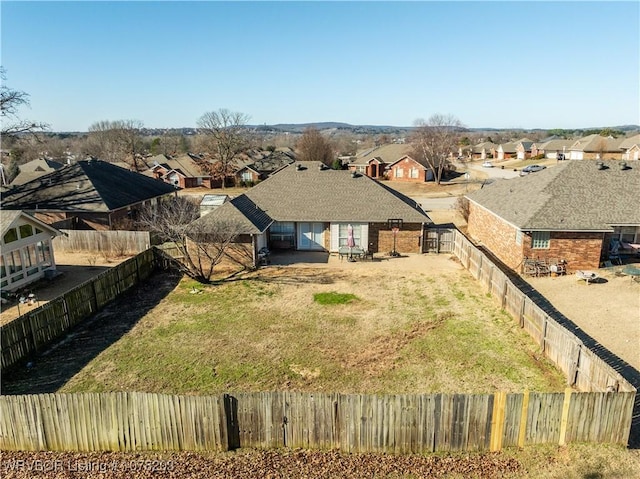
x=518, y=237
x=246, y=176
x=628, y=234
x=44, y=253
x=361, y=169
x=399, y=173
x=540, y=240
x=413, y=173
x=282, y=231
x=31, y=260
x=11, y=236
x=343, y=231
x=26, y=231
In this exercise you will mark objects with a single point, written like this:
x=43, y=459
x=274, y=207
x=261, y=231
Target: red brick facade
x=579, y=250
x=408, y=239
x=407, y=169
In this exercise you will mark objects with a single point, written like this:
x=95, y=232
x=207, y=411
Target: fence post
x=522, y=433
x=572, y=377
x=522, y=303
x=504, y=293
x=497, y=421
x=565, y=416
x=544, y=333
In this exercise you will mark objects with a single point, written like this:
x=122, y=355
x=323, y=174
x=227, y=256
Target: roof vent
x=600, y=165
x=322, y=166
x=298, y=167
x=353, y=174
x=623, y=165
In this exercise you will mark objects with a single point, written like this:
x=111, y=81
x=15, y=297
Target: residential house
x=373, y=162
x=308, y=206
x=483, y=151
x=595, y=147
x=26, y=251
x=265, y=164
x=630, y=148
x=556, y=148
x=570, y=212
x=183, y=171
x=507, y=150
x=90, y=194
x=34, y=169
x=523, y=148
x=408, y=169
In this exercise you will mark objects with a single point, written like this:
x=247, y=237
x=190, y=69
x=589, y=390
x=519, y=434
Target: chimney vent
x=600, y=165
x=298, y=167
x=623, y=165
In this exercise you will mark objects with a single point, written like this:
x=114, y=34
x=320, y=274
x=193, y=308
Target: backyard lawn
x=417, y=324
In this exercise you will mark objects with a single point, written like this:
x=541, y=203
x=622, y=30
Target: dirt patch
x=76, y=268
x=608, y=311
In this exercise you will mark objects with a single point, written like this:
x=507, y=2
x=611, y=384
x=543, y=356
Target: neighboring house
x=408, y=169
x=89, y=194
x=630, y=148
x=595, y=147
x=26, y=250
x=484, y=150
x=35, y=169
x=308, y=206
x=570, y=212
x=505, y=151
x=552, y=149
x=373, y=162
x=182, y=171
x=523, y=148
x=267, y=165
x=211, y=202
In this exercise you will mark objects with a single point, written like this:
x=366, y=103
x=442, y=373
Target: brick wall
x=496, y=235
x=408, y=239
x=407, y=164
x=579, y=250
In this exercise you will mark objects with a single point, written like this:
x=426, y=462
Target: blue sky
x=491, y=64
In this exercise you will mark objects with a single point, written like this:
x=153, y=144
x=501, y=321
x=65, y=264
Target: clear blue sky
x=491, y=64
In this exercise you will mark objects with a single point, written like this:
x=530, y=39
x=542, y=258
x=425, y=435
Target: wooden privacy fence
x=439, y=240
x=36, y=329
x=409, y=423
x=584, y=368
x=118, y=243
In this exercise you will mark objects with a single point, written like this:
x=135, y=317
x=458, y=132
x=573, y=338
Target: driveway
x=494, y=173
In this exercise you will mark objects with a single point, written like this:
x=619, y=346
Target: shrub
x=462, y=206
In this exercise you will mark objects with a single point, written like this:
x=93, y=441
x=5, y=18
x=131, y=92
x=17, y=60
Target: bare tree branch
x=10, y=102
x=434, y=141
x=227, y=139
x=315, y=147
x=118, y=140
x=201, y=246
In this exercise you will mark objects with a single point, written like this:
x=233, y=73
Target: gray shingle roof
x=241, y=211
x=327, y=195
x=94, y=185
x=572, y=196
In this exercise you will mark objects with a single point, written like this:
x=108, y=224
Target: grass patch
x=274, y=331
x=334, y=298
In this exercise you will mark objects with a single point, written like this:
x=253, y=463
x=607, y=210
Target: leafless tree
x=201, y=246
x=434, y=140
x=118, y=140
x=227, y=137
x=312, y=146
x=10, y=102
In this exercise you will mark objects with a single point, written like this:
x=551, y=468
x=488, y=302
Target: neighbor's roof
x=327, y=195
x=595, y=143
x=555, y=145
x=385, y=153
x=42, y=164
x=572, y=196
x=241, y=211
x=183, y=164
x=485, y=145
x=627, y=143
x=8, y=218
x=92, y=185
x=509, y=147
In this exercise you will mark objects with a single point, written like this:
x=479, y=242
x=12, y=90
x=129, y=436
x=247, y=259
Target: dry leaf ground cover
x=415, y=324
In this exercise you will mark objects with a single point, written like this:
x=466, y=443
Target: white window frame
x=519, y=237
x=399, y=172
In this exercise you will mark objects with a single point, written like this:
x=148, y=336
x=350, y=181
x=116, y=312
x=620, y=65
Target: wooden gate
x=439, y=240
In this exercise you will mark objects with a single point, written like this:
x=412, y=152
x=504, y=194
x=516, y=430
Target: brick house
x=310, y=208
x=556, y=148
x=409, y=170
x=373, y=162
x=523, y=148
x=570, y=211
x=182, y=171
x=630, y=148
x=595, y=147
x=89, y=194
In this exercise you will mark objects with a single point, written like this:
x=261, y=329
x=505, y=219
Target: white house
x=26, y=251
